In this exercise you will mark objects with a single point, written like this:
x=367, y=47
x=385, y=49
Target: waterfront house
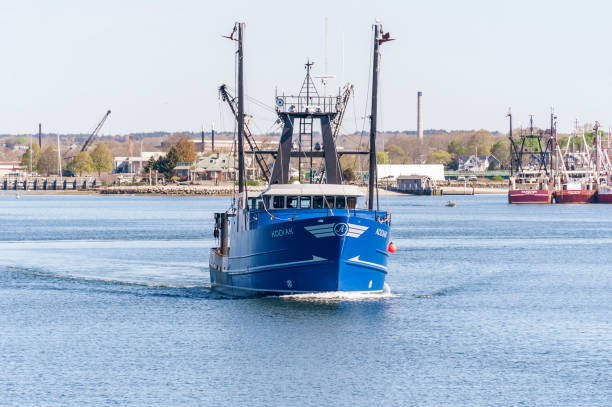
x=10, y=169
x=216, y=166
x=134, y=165
x=477, y=163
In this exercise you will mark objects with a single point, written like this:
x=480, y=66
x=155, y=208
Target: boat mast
x=241, y=184
x=509, y=115
x=552, y=138
x=379, y=38
x=372, y=174
x=597, y=143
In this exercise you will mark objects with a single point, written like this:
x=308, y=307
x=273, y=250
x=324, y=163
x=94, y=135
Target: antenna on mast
x=325, y=76
x=325, y=45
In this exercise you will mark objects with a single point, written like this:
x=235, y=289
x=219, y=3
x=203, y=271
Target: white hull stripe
x=315, y=259
x=356, y=260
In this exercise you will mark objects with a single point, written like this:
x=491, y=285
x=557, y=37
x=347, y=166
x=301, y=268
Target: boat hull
x=333, y=253
x=604, y=197
x=529, y=196
x=581, y=196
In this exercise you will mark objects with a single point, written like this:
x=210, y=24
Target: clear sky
x=157, y=64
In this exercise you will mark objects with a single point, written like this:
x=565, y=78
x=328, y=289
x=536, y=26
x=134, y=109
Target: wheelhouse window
x=317, y=202
x=267, y=201
x=351, y=202
x=329, y=202
x=279, y=202
x=304, y=202
x=340, y=202
x=292, y=202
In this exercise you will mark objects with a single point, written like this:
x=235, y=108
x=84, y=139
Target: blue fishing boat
x=313, y=235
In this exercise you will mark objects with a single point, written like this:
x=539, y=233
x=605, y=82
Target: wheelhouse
x=308, y=196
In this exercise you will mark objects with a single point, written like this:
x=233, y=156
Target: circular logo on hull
x=341, y=229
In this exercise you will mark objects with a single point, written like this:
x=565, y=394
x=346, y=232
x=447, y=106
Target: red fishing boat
x=576, y=182
x=530, y=180
x=529, y=196
x=604, y=194
x=575, y=193
x=604, y=169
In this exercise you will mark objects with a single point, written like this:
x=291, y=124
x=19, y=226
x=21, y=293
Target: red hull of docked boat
x=604, y=198
x=574, y=196
x=529, y=196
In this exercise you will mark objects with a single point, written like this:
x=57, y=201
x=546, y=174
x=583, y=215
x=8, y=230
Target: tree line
x=46, y=161
x=445, y=148
x=183, y=151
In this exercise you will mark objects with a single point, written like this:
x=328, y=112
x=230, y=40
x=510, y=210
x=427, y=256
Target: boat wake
x=336, y=296
x=58, y=276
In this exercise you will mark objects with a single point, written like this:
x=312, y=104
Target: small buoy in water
x=391, y=247
x=17, y=196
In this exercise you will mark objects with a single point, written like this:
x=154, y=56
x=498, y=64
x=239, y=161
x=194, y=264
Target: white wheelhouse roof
x=313, y=189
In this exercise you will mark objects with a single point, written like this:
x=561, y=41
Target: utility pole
x=202, y=146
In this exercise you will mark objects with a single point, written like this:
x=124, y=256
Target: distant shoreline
x=212, y=190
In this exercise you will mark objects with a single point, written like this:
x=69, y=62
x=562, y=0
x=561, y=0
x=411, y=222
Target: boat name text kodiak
x=282, y=232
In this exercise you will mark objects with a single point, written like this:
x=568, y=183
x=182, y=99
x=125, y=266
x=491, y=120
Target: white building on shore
x=134, y=165
x=390, y=172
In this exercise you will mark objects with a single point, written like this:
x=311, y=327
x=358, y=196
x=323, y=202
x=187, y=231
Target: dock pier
x=48, y=184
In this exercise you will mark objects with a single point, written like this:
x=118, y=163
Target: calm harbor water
x=104, y=301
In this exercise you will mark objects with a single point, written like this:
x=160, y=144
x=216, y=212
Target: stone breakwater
x=208, y=190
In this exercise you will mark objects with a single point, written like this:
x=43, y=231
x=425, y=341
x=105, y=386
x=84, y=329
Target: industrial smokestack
x=131, y=146
x=40, y=135
x=420, y=115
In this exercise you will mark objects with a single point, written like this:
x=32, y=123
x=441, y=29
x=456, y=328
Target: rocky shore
x=207, y=190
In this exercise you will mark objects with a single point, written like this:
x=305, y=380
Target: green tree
x=396, y=153
x=150, y=165
x=348, y=174
x=501, y=151
x=81, y=163
x=382, y=157
x=47, y=163
x=166, y=164
x=186, y=150
x=25, y=158
x=453, y=146
x=102, y=159
x=479, y=143
x=439, y=157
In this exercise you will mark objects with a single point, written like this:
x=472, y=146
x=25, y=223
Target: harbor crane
x=94, y=134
